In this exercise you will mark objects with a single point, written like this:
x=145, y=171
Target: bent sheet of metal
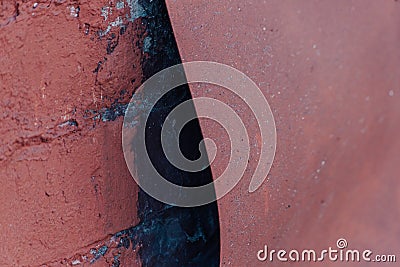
x=331, y=74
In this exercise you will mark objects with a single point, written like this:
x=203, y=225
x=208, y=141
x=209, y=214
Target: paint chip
x=120, y=5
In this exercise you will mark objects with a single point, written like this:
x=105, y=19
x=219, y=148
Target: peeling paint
x=74, y=11
x=105, y=11
x=120, y=5
x=147, y=44
x=136, y=10
x=118, y=22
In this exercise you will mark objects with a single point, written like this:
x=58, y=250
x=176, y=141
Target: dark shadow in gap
x=169, y=235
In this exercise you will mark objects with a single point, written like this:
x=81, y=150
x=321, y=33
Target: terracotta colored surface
x=331, y=73
x=65, y=186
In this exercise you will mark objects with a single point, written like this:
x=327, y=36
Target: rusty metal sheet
x=330, y=71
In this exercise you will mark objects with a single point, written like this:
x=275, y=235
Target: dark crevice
x=169, y=235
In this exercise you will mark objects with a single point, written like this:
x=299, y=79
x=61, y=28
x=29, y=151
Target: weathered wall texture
x=331, y=73
x=66, y=69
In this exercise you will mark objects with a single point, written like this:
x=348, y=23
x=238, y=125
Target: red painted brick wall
x=65, y=186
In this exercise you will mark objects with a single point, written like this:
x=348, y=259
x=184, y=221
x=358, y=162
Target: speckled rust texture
x=64, y=183
x=331, y=73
